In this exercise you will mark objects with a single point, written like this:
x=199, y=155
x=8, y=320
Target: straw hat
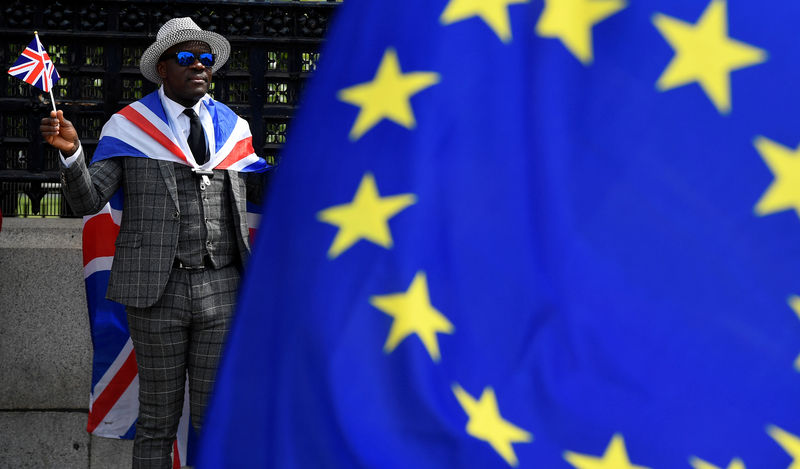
x=179, y=30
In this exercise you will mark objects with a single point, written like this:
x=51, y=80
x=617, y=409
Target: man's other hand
x=60, y=133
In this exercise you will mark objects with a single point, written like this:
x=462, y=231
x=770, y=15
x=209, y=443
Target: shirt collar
x=174, y=109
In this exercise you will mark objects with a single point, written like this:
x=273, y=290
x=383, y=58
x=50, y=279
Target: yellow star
x=572, y=21
x=366, y=217
x=493, y=12
x=387, y=95
x=698, y=463
x=615, y=457
x=413, y=314
x=790, y=443
x=784, y=192
x=704, y=53
x=485, y=423
x=794, y=303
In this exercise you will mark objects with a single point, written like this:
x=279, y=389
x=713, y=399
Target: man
x=179, y=158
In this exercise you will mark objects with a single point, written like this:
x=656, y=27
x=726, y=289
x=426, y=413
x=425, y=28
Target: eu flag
x=559, y=234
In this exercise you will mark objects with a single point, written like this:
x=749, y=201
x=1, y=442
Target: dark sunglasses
x=185, y=59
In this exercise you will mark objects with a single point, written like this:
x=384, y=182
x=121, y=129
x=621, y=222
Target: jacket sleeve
x=88, y=189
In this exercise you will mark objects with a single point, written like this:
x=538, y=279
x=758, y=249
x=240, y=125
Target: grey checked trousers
x=183, y=331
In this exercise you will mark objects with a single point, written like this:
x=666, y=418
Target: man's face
x=185, y=84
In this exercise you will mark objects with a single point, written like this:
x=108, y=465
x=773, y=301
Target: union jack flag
x=142, y=129
x=35, y=67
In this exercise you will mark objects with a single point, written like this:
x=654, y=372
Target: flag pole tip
x=36, y=33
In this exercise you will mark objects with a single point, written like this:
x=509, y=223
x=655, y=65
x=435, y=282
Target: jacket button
x=176, y=214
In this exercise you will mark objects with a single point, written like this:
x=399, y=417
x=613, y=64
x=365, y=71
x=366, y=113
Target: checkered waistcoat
x=148, y=236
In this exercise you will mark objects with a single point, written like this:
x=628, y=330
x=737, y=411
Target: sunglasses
x=185, y=59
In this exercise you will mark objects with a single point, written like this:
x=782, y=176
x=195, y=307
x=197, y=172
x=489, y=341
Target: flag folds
x=35, y=67
x=529, y=234
x=143, y=130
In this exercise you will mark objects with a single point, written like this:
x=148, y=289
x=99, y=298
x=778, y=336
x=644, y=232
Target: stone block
x=39, y=440
x=45, y=351
x=110, y=454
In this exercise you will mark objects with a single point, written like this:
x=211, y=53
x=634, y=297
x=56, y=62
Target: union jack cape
x=35, y=67
x=142, y=130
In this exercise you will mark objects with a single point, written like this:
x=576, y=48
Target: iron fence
x=96, y=47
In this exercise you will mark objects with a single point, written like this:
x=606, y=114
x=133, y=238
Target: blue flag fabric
x=535, y=234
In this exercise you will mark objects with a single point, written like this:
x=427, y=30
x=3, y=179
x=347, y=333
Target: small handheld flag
x=35, y=67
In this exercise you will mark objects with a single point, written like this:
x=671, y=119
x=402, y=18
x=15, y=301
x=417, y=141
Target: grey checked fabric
x=148, y=237
x=184, y=331
x=206, y=219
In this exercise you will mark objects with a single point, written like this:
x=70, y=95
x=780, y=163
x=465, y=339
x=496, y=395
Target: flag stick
x=48, y=79
x=52, y=99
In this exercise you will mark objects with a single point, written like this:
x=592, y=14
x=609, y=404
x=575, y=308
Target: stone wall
x=45, y=351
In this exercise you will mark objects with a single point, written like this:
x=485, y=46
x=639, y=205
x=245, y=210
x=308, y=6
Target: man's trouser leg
x=185, y=328
x=214, y=295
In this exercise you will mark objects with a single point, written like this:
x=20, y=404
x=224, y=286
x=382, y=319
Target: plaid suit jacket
x=148, y=237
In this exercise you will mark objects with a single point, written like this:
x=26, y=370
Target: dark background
x=96, y=47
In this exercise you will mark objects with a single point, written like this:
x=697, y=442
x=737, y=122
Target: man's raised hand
x=60, y=133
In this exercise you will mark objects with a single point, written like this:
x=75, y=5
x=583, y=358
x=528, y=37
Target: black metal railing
x=96, y=46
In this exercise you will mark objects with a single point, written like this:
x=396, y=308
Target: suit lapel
x=233, y=177
x=168, y=173
x=238, y=193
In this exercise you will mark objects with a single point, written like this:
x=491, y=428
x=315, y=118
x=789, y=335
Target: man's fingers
x=61, y=119
x=49, y=126
x=59, y=132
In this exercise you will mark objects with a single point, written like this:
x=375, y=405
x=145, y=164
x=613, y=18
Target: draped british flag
x=35, y=67
x=142, y=130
